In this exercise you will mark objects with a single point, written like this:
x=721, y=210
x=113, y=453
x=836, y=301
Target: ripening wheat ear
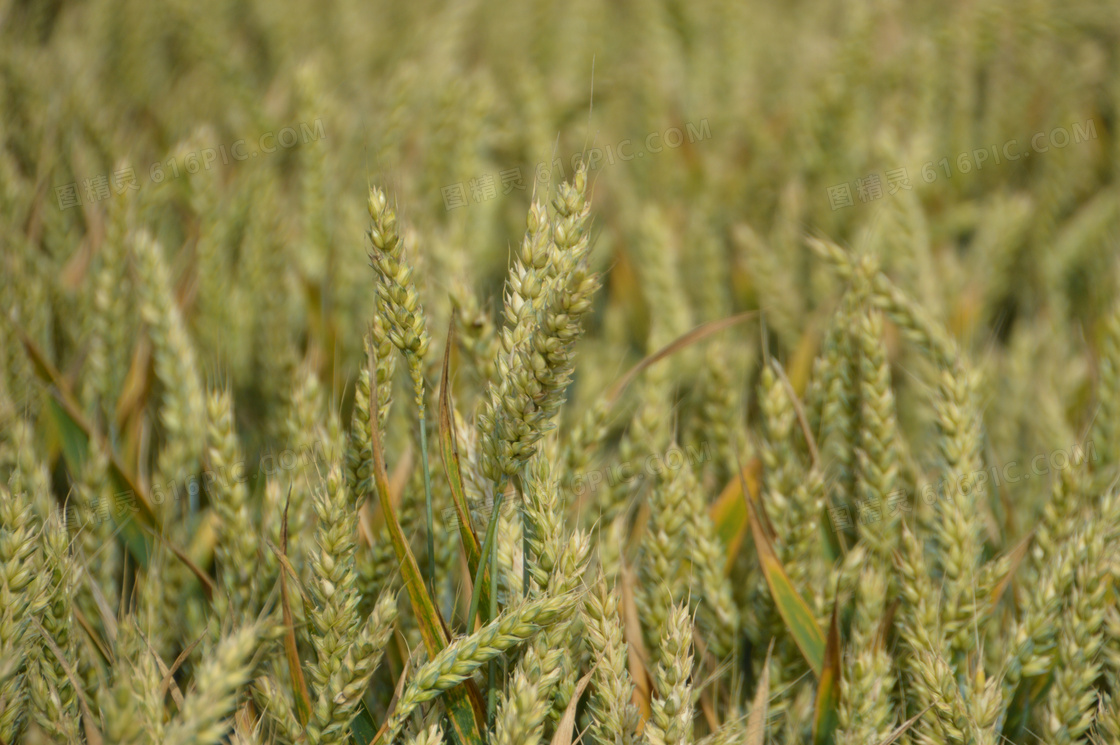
x=399, y=303
x=840, y=412
x=358, y=666
x=132, y=706
x=612, y=713
x=217, y=685
x=26, y=471
x=109, y=323
x=918, y=613
x=567, y=578
x=19, y=601
x=959, y=529
x=650, y=430
x=235, y=550
x=910, y=317
x=536, y=370
x=717, y=616
x=656, y=259
x=430, y=735
x=665, y=558
x=525, y=702
x=543, y=531
x=1108, y=716
x=1072, y=699
x=54, y=702
x=866, y=713
x=877, y=457
x=93, y=532
x=528, y=278
x=397, y=299
x=1106, y=430
x=359, y=457
x=182, y=409
x=346, y=648
x=950, y=720
x=671, y=716
x=306, y=434
x=1034, y=632
x=276, y=705
x=794, y=494
x=459, y=659
x=475, y=331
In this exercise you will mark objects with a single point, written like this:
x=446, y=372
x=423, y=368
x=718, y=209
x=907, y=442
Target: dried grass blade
x=168, y=674
x=636, y=653
x=905, y=726
x=102, y=649
x=567, y=722
x=702, y=331
x=760, y=708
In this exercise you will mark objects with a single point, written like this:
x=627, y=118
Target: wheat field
x=624, y=373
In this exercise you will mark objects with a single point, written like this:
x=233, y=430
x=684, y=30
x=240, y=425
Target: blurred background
x=969, y=146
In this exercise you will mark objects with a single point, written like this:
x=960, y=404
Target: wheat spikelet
x=564, y=635
x=109, y=321
x=543, y=533
x=132, y=706
x=475, y=331
x=664, y=558
x=525, y=703
x=430, y=735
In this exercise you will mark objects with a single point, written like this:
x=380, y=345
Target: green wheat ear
x=183, y=408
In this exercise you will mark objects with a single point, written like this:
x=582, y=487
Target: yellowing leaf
x=825, y=715
x=464, y=702
x=791, y=606
x=729, y=513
